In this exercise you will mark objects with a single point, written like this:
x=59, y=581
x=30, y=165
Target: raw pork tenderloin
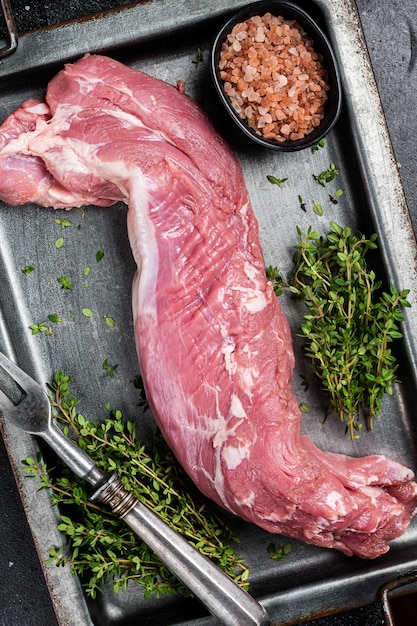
x=213, y=343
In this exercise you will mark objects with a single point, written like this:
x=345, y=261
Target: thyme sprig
x=327, y=175
x=350, y=322
x=101, y=547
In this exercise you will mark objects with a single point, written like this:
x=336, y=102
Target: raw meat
x=24, y=176
x=213, y=343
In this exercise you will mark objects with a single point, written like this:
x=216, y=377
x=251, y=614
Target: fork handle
x=73, y=456
x=221, y=595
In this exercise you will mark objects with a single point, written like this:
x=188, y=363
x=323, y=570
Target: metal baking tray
x=161, y=38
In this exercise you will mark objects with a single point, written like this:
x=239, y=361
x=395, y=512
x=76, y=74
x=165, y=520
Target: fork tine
x=25, y=382
x=28, y=406
x=6, y=404
x=19, y=392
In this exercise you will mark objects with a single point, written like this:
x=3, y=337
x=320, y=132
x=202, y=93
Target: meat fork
x=31, y=412
x=12, y=33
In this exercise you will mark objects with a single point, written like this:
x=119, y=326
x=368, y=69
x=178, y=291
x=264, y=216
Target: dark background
x=390, y=28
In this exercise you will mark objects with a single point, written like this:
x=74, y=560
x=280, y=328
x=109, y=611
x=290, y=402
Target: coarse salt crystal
x=260, y=35
x=282, y=80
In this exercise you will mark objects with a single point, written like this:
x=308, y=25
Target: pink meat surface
x=213, y=343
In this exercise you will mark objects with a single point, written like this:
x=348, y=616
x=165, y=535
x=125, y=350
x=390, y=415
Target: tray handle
x=401, y=587
x=12, y=34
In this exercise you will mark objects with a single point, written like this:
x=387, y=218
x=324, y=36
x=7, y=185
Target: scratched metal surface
x=311, y=580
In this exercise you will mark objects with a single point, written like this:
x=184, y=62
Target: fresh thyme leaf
x=109, y=369
x=87, y=312
x=109, y=322
x=318, y=145
x=334, y=199
x=28, y=269
x=86, y=272
x=327, y=175
x=274, y=275
x=276, y=181
x=317, y=208
x=42, y=327
x=59, y=243
x=278, y=554
x=65, y=282
x=55, y=319
x=198, y=58
x=99, y=255
x=63, y=223
x=350, y=322
x=101, y=547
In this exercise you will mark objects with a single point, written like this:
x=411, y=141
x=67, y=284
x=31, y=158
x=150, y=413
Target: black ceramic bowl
x=332, y=106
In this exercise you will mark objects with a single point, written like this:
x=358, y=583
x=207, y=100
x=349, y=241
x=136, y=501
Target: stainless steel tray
x=161, y=38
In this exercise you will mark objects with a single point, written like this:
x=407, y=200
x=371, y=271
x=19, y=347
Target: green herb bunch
x=350, y=322
x=101, y=547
